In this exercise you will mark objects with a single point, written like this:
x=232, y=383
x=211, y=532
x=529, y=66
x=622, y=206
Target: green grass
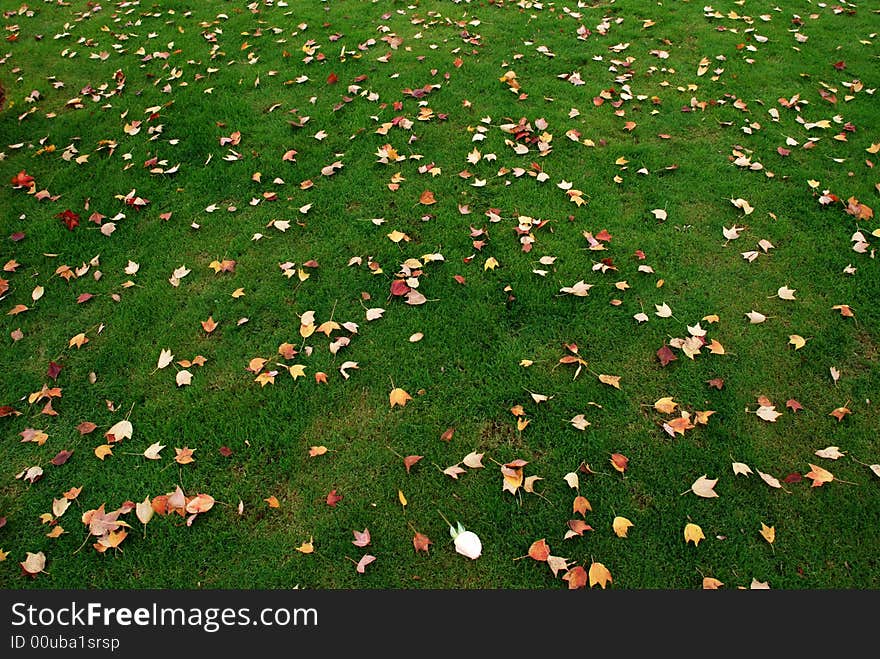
x=466, y=372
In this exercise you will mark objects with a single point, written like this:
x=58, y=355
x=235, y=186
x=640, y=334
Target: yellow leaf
x=818, y=475
x=398, y=397
x=693, y=533
x=103, y=451
x=267, y=377
x=704, y=487
x=79, y=341
x=396, y=236
x=297, y=371
x=797, y=341
x=711, y=318
x=305, y=331
x=315, y=451
x=710, y=583
x=665, y=405
x=491, y=263
x=612, y=380
x=599, y=574
x=306, y=547
x=401, y=498
x=521, y=423
x=3, y=555
x=237, y=293
x=621, y=525
x=769, y=533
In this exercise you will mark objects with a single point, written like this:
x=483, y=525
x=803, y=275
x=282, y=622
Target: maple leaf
x=427, y=198
x=539, y=550
x=619, y=462
x=364, y=562
x=665, y=405
x=831, y=453
x=581, y=505
x=611, y=380
x=693, y=533
x=473, y=460
x=572, y=479
x=209, y=325
x=420, y=542
x=818, y=475
x=333, y=498
x=580, y=422
x=61, y=457
x=33, y=564
x=793, y=405
x=144, y=511
x=152, y=451
x=183, y=378
x=120, y=430
x=770, y=480
x=599, y=574
x=273, y=501
x=576, y=578
x=103, y=451
x=741, y=469
x=165, y=358
x=454, y=471
x=361, y=538
x=621, y=526
x=184, y=455
x=665, y=355
x=710, y=583
x=398, y=397
x=201, y=503
x=306, y=547
x=768, y=413
x=704, y=487
x=839, y=413
x=69, y=218
x=768, y=532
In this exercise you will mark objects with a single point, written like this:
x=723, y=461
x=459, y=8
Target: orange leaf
x=427, y=198
x=581, y=505
x=209, y=325
x=421, y=542
x=619, y=462
x=576, y=578
x=273, y=502
x=539, y=550
x=184, y=455
x=315, y=451
x=818, y=475
x=398, y=397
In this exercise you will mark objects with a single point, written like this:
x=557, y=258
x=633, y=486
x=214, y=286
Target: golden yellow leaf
x=103, y=451
x=55, y=532
x=315, y=451
x=710, y=583
x=79, y=341
x=401, y=498
x=297, y=371
x=797, y=341
x=769, y=533
x=396, y=236
x=665, y=405
x=621, y=525
x=237, y=293
x=599, y=574
x=273, y=502
x=693, y=533
x=398, y=397
x=3, y=555
x=306, y=547
x=267, y=377
x=491, y=263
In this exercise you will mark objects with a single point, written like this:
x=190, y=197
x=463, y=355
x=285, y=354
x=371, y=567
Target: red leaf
x=332, y=79
x=86, y=427
x=603, y=235
x=666, y=355
x=84, y=297
x=53, y=370
x=447, y=434
x=333, y=498
x=399, y=287
x=61, y=458
x=225, y=451
x=7, y=410
x=619, y=462
x=410, y=460
x=793, y=405
x=718, y=383
x=17, y=236
x=782, y=151
x=70, y=219
x=793, y=478
x=22, y=180
x=459, y=279
x=840, y=66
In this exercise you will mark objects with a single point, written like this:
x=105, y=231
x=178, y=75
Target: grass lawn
x=280, y=272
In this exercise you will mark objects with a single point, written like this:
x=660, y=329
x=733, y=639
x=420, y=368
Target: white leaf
x=663, y=310
x=756, y=317
x=473, y=460
x=580, y=422
x=344, y=368
x=785, y=293
x=768, y=413
x=183, y=378
x=741, y=468
x=572, y=479
x=165, y=358
x=831, y=452
x=374, y=313
x=767, y=478
x=152, y=452
x=641, y=317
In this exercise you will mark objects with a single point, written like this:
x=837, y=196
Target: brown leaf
x=666, y=355
x=184, y=455
x=447, y=434
x=718, y=383
x=619, y=462
x=61, y=458
x=86, y=427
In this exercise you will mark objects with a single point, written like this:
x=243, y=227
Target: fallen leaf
x=306, y=547
x=539, y=550
x=619, y=462
x=621, y=526
x=770, y=480
x=273, y=501
x=420, y=542
x=364, y=562
x=184, y=455
x=741, y=469
x=693, y=533
x=398, y=397
x=33, y=563
x=599, y=574
x=576, y=578
x=361, y=538
x=768, y=532
x=152, y=451
x=704, y=487
x=103, y=451
x=333, y=498
x=831, y=452
x=818, y=475
x=581, y=505
x=710, y=583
